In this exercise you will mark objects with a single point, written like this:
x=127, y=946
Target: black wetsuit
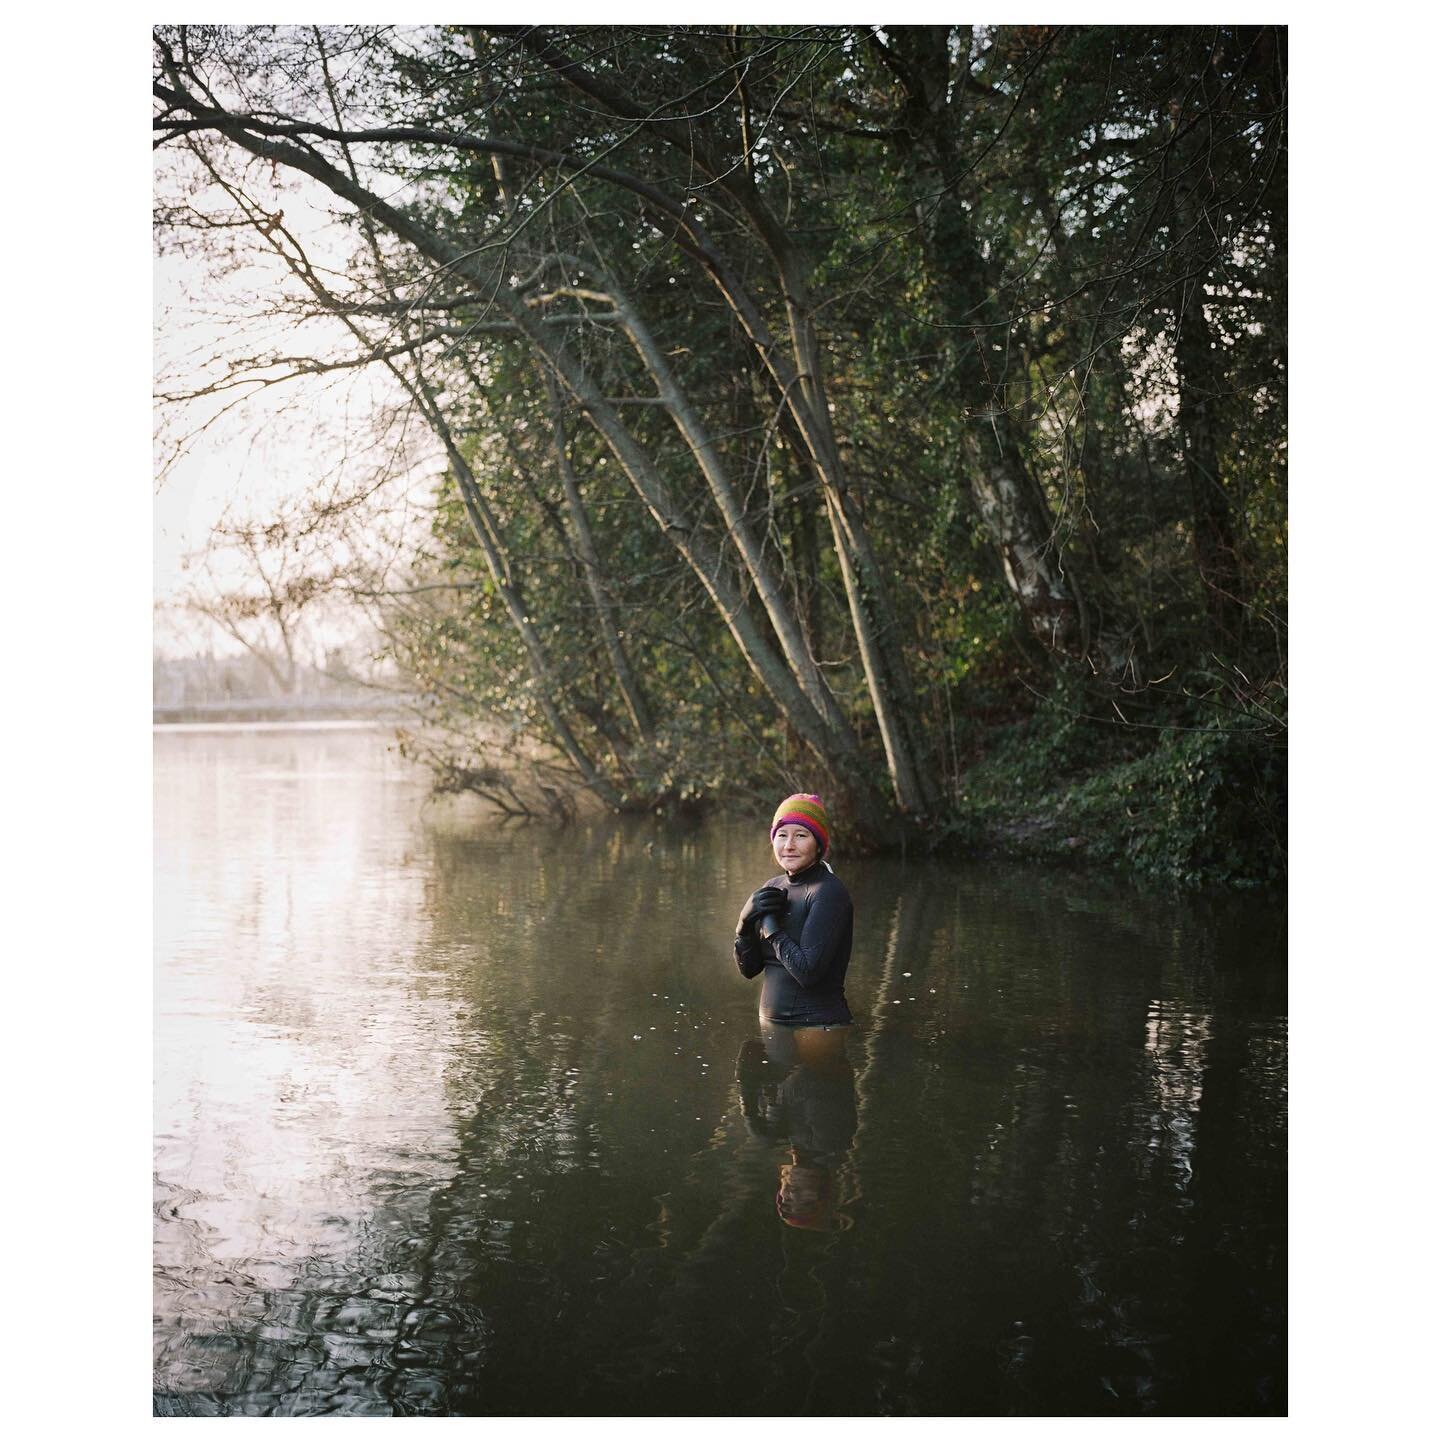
x=806, y=961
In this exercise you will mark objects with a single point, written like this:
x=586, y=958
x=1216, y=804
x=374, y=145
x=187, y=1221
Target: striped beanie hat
x=806, y=810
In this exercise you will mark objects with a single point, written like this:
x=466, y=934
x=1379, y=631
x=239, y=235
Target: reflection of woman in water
x=801, y=1094
x=797, y=927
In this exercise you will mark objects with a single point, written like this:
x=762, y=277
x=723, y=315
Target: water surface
x=454, y=1118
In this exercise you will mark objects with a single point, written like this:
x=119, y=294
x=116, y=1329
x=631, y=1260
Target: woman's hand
x=767, y=900
x=769, y=925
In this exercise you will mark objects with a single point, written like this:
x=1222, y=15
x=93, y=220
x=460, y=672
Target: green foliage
x=1205, y=807
x=1192, y=806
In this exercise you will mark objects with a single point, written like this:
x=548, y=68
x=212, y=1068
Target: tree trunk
x=1216, y=552
x=737, y=526
x=828, y=746
x=1021, y=528
x=1014, y=510
x=630, y=689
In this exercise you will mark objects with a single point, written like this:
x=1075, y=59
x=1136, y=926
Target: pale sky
x=263, y=448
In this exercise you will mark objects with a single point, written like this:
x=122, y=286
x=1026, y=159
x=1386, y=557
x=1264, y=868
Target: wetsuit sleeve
x=749, y=957
x=810, y=958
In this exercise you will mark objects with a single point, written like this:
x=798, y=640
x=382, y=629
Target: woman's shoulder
x=829, y=881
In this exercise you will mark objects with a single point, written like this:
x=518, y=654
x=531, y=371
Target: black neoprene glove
x=769, y=925
x=767, y=900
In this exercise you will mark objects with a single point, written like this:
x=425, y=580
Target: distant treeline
x=241, y=687
x=898, y=413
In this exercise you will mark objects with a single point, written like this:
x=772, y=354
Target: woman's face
x=796, y=849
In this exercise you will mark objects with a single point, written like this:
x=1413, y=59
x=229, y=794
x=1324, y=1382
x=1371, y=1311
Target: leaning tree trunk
x=584, y=540
x=706, y=454
x=548, y=686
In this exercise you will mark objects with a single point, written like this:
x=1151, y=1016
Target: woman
x=797, y=928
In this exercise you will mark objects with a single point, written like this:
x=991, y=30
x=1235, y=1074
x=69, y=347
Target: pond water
x=460, y=1118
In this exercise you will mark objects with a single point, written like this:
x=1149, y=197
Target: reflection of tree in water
x=1046, y=1255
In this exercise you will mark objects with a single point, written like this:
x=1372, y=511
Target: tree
x=267, y=616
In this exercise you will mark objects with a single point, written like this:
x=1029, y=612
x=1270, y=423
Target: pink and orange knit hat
x=806, y=810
